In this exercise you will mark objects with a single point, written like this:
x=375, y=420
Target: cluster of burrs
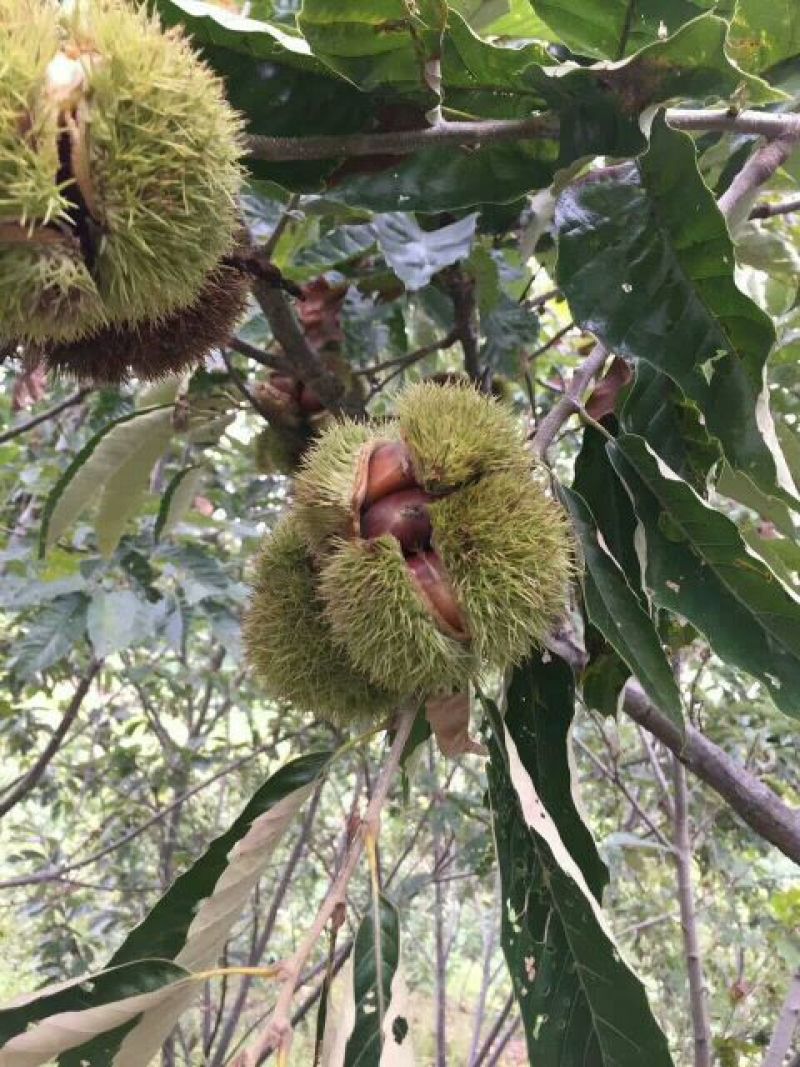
x=418, y=554
x=119, y=157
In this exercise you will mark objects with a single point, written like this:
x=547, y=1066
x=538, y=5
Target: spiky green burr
x=289, y=642
x=456, y=434
x=118, y=170
x=327, y=481
x=383, y=625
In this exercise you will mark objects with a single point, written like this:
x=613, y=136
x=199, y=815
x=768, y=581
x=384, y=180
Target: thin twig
x=241, y=386
x=786, y=1026
x=37, y=420
x=682, y=851
x=769, y=211
x=549, y=344
x=570, y=402
x=491, y=1037
x=30, y=780
x=278, y=1033
x=266, y=359
x=399, y=142
x=271, y=243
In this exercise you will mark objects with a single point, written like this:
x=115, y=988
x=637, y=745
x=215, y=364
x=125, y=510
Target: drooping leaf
x=739, y=487
x=613, y=607
x=376, y=959
x=646, y=263
x=42, y=1026
x=98, y=461
x=122, y=468
x=191, y=922
x=177, y=500
x=597, y=482
x=414, y=254
x=697, y=566
x=579, y=1001
x=52, y=633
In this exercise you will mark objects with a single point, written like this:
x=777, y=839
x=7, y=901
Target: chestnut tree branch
x=37, y=420
x=752, y=800
x=404, y=142
x=277, y=1035
x=570, y=402
x=306, y=362
x=770, y=211
x=737, y=200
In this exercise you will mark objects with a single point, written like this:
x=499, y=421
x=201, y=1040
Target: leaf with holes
x=369, y=1025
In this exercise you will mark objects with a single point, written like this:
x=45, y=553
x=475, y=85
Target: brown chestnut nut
x=390, y=470
x=404, y=515
x=435, y=589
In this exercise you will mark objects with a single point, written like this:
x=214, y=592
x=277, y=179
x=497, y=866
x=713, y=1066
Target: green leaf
x=89, y=471
x=439, y=179
x=335, y=250
x=764, y=33
x=739, y=487
x=613, y=607
x=48, y=1023
x=116, y=620
x=372, y=45
x=177, y=500
x=414, y=254
x=51, y=635
x=597, y=482
x=579, y=1001
x=121, y=467
x=376, y=958
x=697, y=566
x=610, y=29
x=655, y=408
x=646, y=263
x=192, y=921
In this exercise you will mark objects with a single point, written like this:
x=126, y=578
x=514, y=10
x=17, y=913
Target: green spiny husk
x=162, y=158
x=326, y=481
x=383, y=625
x=507, y=550
x=152, y=349
x=456, y=434
x=289, y=642
x=279, y=449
